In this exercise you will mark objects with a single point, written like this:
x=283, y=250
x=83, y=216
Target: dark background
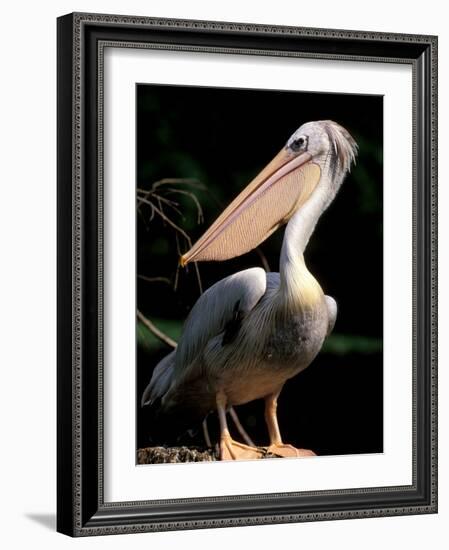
x=222, y=138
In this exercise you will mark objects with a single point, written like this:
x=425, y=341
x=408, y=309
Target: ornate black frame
x=81, y=507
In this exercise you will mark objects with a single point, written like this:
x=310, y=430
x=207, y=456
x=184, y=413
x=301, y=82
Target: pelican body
x=252, y=331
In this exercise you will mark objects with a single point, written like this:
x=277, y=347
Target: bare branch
x=178, y=253
x=139, y=211
x=168, y=220
x=154, y=279
x=179, y=181
x=200, y=217
x=161, y=210
x=146, y=195
x=196, y=267
x=263, y=258
x=157, y=332
x=150, y=204
x=198, y=277
x=172, y=204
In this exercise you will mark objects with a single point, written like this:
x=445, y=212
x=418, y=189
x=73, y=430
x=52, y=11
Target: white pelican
x=252, y=331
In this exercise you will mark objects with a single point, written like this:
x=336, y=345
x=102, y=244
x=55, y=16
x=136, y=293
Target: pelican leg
x=240, y=428
x=277, y=447
x=230, y=449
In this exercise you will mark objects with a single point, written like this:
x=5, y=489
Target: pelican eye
x=297, y=144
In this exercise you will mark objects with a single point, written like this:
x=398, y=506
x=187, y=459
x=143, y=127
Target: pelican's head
x=317, y=152
x=329, y=145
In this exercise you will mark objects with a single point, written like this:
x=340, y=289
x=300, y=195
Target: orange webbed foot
x=288, y=451
x=233, y=450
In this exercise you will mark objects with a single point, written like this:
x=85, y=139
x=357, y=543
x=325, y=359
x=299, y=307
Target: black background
x=223, y=137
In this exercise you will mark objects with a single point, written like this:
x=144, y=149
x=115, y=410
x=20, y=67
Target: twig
x=179, y=181
x=159, y=198
x=161, y=210
x=178, y=254
x=154, y=279
x=263, y=259
x=158, y=333
x=198, y=277
x=145, y=198
x=168, y=220
x=149, y=203
x=206, y=434
x=200, y=216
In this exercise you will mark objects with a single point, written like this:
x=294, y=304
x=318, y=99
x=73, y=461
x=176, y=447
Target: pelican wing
x=215, y=310
x=160, y=380
x=213, y=313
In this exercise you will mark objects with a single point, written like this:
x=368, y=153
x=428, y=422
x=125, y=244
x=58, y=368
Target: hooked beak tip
x=183, y=260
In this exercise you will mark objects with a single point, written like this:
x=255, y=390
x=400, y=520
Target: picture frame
x=81, y=507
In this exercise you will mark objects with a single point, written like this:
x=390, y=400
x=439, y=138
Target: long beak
x=266, y=203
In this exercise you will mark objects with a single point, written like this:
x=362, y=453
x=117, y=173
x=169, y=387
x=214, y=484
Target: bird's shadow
x=46, y=520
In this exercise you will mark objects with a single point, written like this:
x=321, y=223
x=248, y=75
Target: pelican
x=252, y=331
